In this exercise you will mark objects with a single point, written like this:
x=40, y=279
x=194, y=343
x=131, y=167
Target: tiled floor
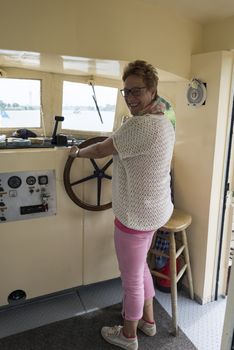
x=203, y=324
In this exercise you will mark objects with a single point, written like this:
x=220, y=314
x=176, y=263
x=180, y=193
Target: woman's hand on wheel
x=74, y=151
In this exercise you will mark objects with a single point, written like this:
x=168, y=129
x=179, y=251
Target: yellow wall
x=219, y=35
x=54, y=253
x=119, y=30
x=199, y=160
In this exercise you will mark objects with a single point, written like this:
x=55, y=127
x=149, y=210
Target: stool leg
x=187, y=261
x=173, y=275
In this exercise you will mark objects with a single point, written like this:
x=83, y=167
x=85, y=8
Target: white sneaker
x=114, y=335
x=147, y=328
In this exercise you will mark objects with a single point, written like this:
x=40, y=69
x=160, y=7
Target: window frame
x=100, y=82
x=15, y=73
x=51, y=101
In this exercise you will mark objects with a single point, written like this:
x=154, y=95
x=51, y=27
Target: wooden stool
x=178, y=222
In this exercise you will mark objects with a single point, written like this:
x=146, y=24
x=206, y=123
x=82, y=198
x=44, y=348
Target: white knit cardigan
x=141, y=191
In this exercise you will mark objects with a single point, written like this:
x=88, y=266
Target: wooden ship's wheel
x=98, y=173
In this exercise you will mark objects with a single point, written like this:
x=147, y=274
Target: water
x=88, y=120
x=21, y=119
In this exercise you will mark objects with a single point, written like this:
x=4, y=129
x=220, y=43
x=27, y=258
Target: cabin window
x=20, y=103
x=88, y=107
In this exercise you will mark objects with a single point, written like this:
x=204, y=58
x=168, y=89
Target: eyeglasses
x=135, y=91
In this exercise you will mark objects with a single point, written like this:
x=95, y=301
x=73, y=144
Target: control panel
x=26, y=195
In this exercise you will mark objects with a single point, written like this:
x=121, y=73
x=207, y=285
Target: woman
x=141, y=196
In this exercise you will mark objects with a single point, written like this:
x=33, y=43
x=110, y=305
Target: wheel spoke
x=99, y=185
x=107, y=176
x=83, y=180
x=94, y=164
x=107, y=164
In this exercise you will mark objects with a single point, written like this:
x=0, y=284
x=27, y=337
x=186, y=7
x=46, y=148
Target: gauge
x=43, y=180
x=31, y=180
x=14, y=181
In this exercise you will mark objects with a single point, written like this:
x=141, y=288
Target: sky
x=81, y=94
x=22, y=91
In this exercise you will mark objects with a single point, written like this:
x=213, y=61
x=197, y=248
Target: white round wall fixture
x=196, y=93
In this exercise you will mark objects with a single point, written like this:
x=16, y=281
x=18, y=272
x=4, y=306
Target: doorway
x=226, y=246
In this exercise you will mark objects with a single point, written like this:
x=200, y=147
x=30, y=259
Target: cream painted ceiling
x=202, y=11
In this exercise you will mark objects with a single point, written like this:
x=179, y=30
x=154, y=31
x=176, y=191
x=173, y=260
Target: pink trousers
x=137, y=283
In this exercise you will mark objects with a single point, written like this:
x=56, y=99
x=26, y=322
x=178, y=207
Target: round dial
x=43, y=180
x=31, y=180
x=14, y=181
